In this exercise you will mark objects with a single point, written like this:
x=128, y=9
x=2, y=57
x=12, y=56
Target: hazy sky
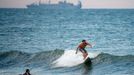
x=85, y=3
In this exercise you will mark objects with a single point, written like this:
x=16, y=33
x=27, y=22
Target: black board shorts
x=82, y=50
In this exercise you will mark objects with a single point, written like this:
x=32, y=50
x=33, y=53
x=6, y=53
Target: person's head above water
x=83, y=40
x=27, y=70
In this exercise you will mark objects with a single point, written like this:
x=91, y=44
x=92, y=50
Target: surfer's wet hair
x=83, y=40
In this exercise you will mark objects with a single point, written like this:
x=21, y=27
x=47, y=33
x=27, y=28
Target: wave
x=56, y=58
x=70, y=59
x=105, y=58
x=18, y=58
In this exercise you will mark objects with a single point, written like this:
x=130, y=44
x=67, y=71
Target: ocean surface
x=45, y=41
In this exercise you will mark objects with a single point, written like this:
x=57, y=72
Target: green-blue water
x=25, y=32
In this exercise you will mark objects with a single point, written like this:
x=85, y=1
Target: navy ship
x=60, y=5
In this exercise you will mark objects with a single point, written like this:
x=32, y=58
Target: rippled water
x=33, y=31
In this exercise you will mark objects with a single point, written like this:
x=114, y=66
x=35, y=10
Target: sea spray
x=70, y=59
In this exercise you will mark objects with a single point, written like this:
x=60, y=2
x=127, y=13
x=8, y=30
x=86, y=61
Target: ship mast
x=79, y=3
x=49, y=2
x=39, y=2
x=65, y=1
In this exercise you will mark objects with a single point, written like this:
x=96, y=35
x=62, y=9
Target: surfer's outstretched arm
x=89, y=45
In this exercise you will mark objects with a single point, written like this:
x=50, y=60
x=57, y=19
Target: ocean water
x=45, y=41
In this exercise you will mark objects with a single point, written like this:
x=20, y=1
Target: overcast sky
x=85, y=3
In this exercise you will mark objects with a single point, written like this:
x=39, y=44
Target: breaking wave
x=57, y=58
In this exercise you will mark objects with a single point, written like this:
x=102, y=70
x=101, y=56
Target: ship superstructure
x=61, y=5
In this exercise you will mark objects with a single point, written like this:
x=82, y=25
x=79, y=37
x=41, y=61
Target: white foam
x=70, y=59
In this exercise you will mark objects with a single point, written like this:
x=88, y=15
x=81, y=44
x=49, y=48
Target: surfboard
x=88, y=61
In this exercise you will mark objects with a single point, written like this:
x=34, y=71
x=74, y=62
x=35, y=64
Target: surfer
x=27, y=72
x=81, y=47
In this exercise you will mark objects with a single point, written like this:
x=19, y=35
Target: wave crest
x=18, y=58
x=105, y=58
x=57, y=58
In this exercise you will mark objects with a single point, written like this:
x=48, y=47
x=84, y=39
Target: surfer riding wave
x=81, y=48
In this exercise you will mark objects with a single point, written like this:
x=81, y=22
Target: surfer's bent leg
x=84, y=52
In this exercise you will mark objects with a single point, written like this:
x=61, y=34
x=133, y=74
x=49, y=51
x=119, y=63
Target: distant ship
x=61, y=5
